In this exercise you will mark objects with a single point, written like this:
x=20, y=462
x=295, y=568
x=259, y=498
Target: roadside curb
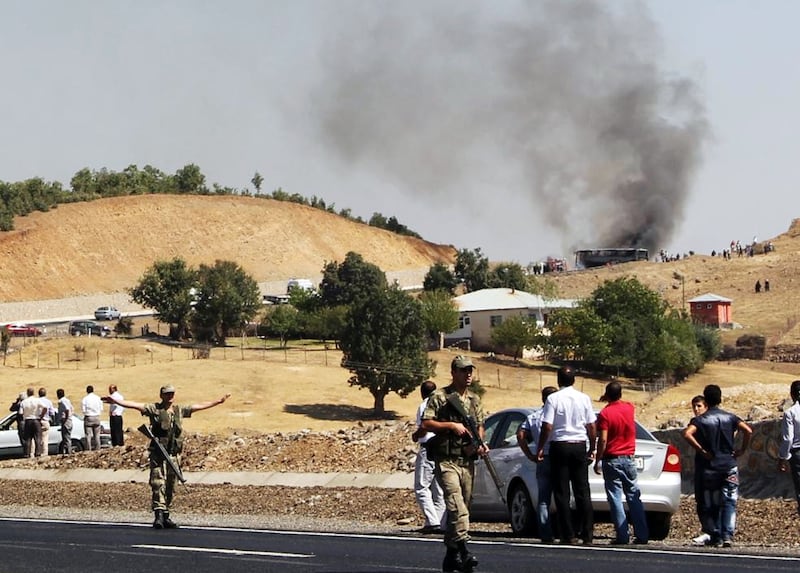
x=287, y=479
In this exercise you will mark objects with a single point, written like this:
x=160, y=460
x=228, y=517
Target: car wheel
x=520, y=508
x=658, y=524
x=76, y=333
x=77, y=446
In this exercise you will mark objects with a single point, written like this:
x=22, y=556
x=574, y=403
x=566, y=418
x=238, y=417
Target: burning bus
x=588, y=258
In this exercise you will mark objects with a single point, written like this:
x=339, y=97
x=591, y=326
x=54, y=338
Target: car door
x=506, y=457
x=483, y=503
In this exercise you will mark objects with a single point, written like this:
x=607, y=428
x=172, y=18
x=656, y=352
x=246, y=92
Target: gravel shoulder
x=769, y=525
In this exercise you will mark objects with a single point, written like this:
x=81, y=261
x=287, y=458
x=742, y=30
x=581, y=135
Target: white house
x=482, y=310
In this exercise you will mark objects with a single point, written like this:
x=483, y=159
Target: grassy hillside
x=105, y=246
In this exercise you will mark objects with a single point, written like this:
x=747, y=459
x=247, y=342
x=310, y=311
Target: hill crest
x=104, y=246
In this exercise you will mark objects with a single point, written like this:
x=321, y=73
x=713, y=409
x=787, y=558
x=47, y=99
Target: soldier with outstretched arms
x=166, y=444
x=454, y=450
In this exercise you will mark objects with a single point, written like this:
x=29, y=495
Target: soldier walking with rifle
x=166, y=443
x=450, y=414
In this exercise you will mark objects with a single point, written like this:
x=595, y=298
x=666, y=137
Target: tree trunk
x=441, y=340
x=378, y=407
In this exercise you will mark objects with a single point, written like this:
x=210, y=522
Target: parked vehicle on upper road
x=658, y=465
x=11, y=448
x=88, y=327
x=21, y=329
x=107, y=313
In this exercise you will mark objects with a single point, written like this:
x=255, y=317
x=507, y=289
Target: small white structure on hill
x=482, y=310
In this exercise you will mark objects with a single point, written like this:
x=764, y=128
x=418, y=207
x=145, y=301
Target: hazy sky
x=523, y=128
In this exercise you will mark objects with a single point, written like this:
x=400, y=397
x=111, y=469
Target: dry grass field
x=46, y=257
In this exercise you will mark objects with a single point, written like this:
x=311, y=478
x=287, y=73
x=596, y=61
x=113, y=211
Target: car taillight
x=672, y=461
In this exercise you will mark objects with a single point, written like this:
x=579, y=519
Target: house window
x=495, y=320
x=463, y=321
x=709, y=305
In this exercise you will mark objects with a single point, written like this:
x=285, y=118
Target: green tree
x=634, y=315
x=383, y=345
x=281, y=321
x=166, y=288
x=542, y=286
x=514, y=334
x=472, y=269
x=257, y=181
x=577, y=334
x=708, y=341
x=189, y=179
x=440, y=277
x=324, y=323
x=354, y=278
x=508, y=275
x=440, y=314
x=228, y=298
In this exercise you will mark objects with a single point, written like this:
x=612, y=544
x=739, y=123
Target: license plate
x=639, y=462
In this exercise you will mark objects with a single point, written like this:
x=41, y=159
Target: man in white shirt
x=47, y=414
x=91, y=408
x=64, y=417
x=427, y=490
x=31, y=410
x=568, y=421
x=115, y=417
x=789, y=451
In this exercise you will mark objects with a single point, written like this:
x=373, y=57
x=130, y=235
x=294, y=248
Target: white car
x=107, y=313
x=11, y=448
x=659, y=479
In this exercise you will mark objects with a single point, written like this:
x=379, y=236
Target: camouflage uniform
x=455, y=467
x=167, y=427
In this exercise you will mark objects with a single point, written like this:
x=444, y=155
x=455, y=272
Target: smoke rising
x=564, y=102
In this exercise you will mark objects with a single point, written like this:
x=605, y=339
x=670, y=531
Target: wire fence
x=32, y=356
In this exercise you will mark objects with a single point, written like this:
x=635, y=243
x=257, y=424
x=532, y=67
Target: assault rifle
x=477, y=442
x=168, y=458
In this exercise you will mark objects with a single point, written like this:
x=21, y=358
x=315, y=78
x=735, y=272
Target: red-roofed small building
x=711, y=309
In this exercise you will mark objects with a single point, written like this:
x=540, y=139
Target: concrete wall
x=758, y=476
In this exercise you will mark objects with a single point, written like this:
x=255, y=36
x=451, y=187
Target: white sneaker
x=701, y=539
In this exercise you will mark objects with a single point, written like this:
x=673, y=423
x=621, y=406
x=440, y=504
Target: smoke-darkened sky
x=523, y=128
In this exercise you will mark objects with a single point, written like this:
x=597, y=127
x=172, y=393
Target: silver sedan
x=659, y=479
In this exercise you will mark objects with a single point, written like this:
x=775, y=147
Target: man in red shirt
x=616, y=444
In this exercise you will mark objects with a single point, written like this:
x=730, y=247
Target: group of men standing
x=565, y=438
x=36, y=413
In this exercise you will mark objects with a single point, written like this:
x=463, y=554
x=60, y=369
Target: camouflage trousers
x=455, y=477
x=162, y=480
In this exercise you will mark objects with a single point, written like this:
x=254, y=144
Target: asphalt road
x=81, y=547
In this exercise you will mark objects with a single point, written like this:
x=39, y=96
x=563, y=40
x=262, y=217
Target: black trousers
x=117, y=438
x=794, y=466
x=569, y=465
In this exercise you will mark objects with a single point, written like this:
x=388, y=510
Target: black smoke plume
x=563, y=102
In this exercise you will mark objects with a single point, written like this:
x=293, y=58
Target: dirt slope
x=774, y=314
x=104, y=246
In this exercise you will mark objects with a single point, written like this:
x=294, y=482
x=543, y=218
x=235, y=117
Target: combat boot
x=168, y=523
x=468, y=560
x=158, y=523
x=452, y=561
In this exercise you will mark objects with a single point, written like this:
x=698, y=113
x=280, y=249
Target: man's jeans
x=619, y=475
x=544, y=489
x=720, y=494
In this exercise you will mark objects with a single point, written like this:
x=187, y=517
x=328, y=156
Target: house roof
x=710, y=297
x=507, y=299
